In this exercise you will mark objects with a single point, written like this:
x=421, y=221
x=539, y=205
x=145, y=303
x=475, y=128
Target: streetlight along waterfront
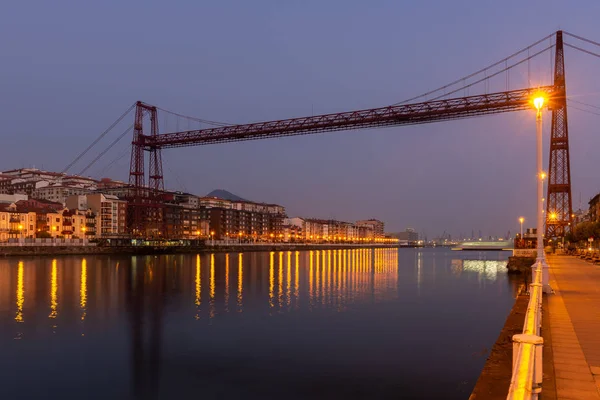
x=521, y=220
x=539, y=102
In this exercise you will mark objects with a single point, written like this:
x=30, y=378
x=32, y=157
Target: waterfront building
x=376, y=225
x=39, y=204
x=594, y=210
x=409, y=235
x=110, y=213
x=59, y=192
x=15, y=224
x=29, y=180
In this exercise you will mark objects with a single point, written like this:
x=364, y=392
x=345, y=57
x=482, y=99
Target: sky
x=70, y=68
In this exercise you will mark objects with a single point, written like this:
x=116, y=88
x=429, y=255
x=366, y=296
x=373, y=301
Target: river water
x=351, y=324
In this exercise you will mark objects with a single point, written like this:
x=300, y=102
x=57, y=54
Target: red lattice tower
x=559, y=209
x=145, y=211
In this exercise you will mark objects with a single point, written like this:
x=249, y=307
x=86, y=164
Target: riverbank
x=494, y=381
x=8, y=251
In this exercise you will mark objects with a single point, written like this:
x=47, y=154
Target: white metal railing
x=527, y=347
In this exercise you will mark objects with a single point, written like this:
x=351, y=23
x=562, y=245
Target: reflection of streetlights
x=521, y=220
x=539, y=102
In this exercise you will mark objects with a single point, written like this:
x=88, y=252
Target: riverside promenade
x=573, y=316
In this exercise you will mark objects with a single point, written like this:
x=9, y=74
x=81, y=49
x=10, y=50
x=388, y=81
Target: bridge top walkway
x=573, y=314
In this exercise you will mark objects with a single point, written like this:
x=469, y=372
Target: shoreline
x=494, y=381
x=12, y=251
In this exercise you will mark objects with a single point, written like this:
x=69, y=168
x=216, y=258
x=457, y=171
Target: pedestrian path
x=574, y=319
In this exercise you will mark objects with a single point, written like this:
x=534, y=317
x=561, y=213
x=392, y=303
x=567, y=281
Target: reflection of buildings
x=485, y=269
x=73, y=294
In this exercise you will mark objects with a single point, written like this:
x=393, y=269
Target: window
x=57, y=220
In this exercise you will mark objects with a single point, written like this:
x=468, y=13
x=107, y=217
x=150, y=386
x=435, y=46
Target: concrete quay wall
x=6, y=251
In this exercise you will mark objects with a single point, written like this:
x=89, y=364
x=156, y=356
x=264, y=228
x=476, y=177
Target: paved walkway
x=574, y=311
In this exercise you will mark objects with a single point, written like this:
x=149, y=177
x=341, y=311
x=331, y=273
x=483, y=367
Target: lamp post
x=83, y=232
x=521, y=220
x=20, y=234
x=212, y=237
x=538, y=102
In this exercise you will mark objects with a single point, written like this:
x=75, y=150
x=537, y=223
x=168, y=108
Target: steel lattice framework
x=408, y=114
x=146, y=208
x=559, y=208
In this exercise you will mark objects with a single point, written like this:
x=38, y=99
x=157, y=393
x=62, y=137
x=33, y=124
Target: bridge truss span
x=407, y=114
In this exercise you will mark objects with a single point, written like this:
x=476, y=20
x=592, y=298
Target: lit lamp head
x=521, y=219
x=538, y=102
x=20, y=227
x=553, y=216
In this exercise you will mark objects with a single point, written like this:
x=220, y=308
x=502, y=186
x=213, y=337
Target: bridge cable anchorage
x=474, y=73
x=98, y=139
x=110, y=146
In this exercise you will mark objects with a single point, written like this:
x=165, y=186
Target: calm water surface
x=350, y=324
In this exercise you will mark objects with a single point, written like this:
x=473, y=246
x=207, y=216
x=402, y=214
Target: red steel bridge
x=148, y=186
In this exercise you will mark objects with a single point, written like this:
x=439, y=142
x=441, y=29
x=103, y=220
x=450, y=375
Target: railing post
x=538, y=342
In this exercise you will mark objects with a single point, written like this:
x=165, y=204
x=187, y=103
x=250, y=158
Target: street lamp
x=83, y=232
x=521, y=220
x=539, y=102
x=212, y=236
x=20, y=232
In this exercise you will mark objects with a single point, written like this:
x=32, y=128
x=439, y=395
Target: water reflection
x=157, y=304
x=83, y=289
x=485, y=269
x=20, y=293
x=54, y=291
x=240, y=280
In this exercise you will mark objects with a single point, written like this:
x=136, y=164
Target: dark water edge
x=408, y=323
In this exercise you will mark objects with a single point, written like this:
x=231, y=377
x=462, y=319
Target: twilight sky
x=70, y=68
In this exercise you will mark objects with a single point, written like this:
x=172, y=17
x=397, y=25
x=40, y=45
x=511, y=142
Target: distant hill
x=225, y=195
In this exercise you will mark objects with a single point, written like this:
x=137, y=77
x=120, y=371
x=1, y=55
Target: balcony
x=14, y=219
x=67, y=223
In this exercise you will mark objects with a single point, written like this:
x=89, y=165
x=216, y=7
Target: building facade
x=376, y=225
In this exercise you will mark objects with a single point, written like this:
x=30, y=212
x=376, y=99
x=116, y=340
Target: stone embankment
x=520, y=265
x=141, y=250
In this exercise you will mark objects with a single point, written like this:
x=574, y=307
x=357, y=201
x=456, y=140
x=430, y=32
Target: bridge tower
x=145, y=214
x=559, y=209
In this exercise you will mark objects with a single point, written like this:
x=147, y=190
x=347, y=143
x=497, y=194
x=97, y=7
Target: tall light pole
x=538, y=102
x=521, y=220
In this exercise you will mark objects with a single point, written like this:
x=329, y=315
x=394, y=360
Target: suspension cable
x=474, y=73
x=494, y=74
x=205, y=121
x=584, y=110
x=582, y=38
x=584, y=104
x=98, y=139
x=584, y=50
x=113, y=162
x=114, y=142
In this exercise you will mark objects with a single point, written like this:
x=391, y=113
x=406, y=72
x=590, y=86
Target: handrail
x=527, y=347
